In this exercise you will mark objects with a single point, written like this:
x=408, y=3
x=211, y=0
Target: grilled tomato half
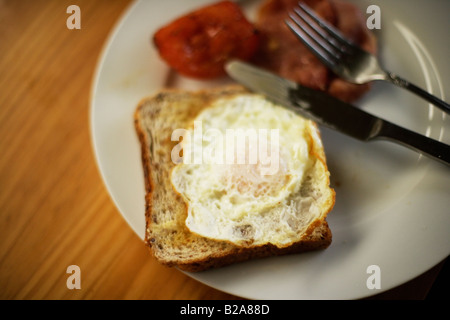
x=199, y=43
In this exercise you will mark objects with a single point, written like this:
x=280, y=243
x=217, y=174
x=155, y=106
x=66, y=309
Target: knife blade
x=331, y=112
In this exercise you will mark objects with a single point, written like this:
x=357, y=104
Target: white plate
x=392, y=206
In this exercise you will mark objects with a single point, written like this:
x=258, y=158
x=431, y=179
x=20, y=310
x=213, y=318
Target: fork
x=343, y=57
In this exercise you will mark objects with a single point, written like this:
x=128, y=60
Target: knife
x=331, y=112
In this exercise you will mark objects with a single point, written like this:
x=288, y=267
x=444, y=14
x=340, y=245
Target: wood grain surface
x=54, y=208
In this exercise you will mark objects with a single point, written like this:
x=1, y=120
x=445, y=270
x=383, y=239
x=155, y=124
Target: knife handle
x=417, y=142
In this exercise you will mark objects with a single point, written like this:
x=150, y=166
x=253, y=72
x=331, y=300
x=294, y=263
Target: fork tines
x=321, y=37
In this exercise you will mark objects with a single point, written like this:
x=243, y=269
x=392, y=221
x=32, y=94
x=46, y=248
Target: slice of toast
x=166, y=234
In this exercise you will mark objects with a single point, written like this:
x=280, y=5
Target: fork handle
x=395, y=79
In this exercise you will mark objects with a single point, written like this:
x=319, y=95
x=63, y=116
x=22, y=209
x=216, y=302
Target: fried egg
x=244, y=162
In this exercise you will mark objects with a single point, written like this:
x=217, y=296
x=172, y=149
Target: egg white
x=240, y=202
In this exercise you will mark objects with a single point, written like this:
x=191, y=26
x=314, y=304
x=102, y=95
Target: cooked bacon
x=284, y=54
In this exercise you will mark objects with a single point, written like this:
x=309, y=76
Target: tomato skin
x=198, y=44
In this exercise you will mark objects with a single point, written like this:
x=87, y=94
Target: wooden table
x=54, y=208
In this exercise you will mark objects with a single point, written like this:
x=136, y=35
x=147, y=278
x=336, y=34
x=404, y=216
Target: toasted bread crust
x=169, y=239
x=311, y=243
